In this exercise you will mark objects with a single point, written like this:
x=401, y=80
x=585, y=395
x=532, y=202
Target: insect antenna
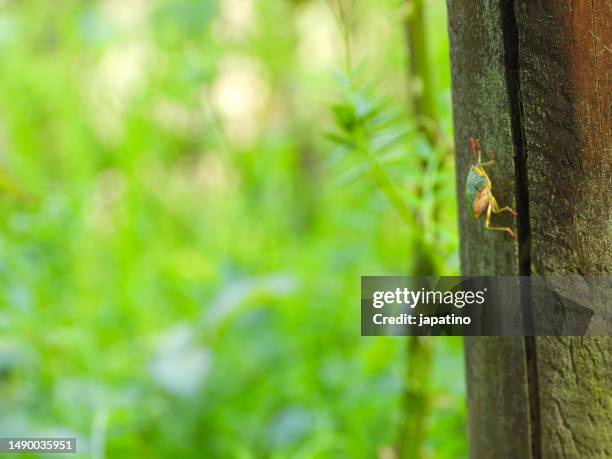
x=476, y=149
x=473, y=144
x=479, y=148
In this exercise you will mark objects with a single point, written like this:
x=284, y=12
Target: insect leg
x=497, y=209
x=492, y=160
x=496, y=228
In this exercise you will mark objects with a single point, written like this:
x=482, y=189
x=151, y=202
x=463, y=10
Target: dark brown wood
x=565, y=70
x=531, y=79
x=565, y=62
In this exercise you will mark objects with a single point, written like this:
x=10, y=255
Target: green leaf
x=340, y=139
x=345, y=116
x=353, y=174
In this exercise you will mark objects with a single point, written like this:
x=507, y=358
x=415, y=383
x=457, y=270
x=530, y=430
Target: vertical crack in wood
x=531, y=363
x=512, y=68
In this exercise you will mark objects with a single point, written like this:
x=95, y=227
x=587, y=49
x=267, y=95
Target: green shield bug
x=479, y=192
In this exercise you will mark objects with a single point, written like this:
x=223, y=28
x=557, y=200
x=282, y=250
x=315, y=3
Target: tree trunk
x=531, y=79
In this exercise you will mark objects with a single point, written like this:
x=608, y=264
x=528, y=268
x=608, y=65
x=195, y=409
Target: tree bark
x=531, y=79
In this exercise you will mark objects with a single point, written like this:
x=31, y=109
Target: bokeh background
x=189, y=194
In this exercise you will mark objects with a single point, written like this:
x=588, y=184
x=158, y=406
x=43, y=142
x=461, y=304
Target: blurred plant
x=373, y=130
x=376, y=138
x=379, y=135
x=405, y=152
x=383, y=137
x=9, y=188
x=167, y=292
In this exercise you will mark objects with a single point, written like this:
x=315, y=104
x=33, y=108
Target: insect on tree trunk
x=531, y=79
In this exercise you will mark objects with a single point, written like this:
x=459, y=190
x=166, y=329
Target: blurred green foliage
x=179, y=252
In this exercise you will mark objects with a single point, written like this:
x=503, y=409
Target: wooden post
x=531, y=79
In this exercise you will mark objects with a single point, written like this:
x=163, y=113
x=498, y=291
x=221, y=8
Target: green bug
x=479, y=193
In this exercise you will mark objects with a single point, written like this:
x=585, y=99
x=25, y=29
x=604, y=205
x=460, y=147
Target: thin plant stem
x=341, y=14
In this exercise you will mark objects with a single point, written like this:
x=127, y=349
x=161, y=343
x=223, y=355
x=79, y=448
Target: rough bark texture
x=531, y=79
x=565, y=64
